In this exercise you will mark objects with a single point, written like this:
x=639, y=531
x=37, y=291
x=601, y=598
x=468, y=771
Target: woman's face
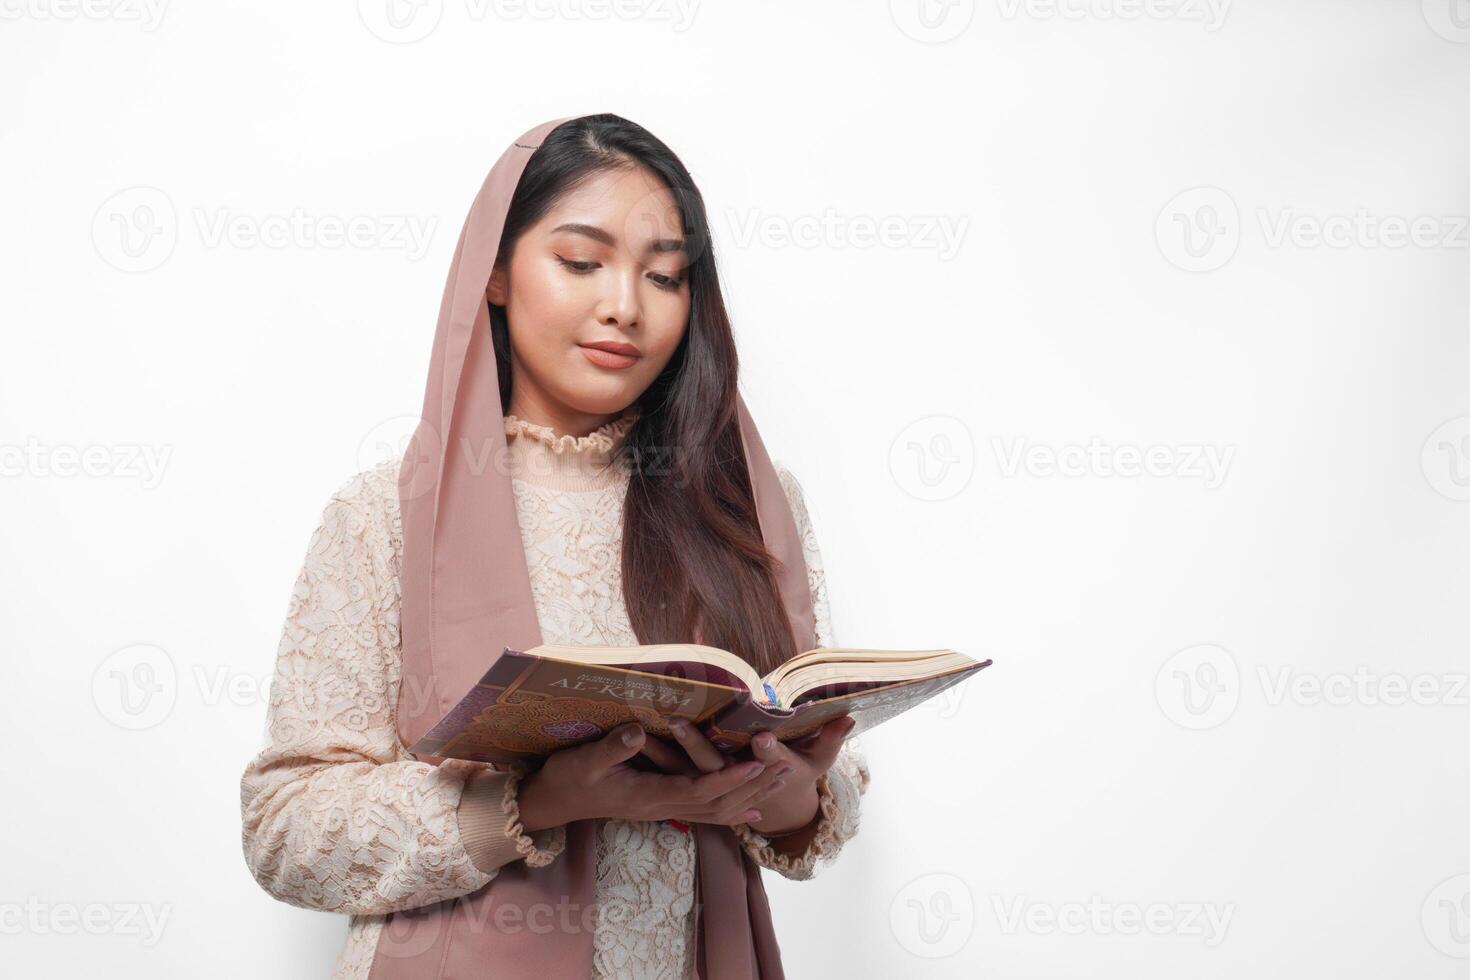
x=604, y=264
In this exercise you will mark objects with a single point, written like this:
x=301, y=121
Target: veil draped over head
x=466, y=594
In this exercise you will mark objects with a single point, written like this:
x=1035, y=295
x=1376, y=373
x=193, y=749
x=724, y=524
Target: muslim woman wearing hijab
x=582, y=331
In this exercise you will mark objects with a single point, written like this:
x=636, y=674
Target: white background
x=1234, y=230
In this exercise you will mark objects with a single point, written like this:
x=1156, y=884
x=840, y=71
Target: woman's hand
x=788, y=797
x=596, y=780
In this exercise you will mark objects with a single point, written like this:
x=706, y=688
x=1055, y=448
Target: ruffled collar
x=604, y=439
x=541, y=455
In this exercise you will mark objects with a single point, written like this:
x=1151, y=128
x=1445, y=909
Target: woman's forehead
x=627, y=205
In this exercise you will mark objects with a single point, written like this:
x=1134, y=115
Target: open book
x=531, y=703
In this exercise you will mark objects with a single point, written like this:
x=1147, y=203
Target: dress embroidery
x=337, y=816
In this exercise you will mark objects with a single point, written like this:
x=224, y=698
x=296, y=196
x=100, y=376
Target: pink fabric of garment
x=466, y=593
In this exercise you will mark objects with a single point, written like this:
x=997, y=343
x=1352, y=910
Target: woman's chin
x=599, y=396
x=594, y=385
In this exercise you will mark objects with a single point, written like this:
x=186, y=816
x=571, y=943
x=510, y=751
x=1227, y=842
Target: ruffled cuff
x=490, y=825
x=838, y=791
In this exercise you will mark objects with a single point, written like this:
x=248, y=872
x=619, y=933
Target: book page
x=656, y=658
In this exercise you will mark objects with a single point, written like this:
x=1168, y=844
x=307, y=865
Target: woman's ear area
x=497, y=290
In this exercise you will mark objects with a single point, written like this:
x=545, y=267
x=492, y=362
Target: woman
x=582, y=335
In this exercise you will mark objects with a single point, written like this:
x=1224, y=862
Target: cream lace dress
x=338, y=817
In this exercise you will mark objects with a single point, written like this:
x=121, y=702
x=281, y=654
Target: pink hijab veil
x=466, y=593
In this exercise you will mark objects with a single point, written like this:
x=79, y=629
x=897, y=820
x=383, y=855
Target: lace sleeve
x=335, y=814
x=840, y=789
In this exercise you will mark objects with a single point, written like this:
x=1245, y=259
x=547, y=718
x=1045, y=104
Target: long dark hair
x=692, y=552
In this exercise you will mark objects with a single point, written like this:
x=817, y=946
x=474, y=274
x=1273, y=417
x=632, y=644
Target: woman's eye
x=582, y=268
x=577, y=266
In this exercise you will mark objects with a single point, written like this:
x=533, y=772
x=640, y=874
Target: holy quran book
x=531, y=703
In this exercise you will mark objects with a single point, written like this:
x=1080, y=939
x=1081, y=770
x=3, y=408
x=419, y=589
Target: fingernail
x=785, y=768
x=755, y=772
x=680, y=726
x=766, y=739
x=631, y=736
x=777, y=785
x=754, y=816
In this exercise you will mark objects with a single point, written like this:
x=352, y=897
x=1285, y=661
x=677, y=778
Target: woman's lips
x=607, y=359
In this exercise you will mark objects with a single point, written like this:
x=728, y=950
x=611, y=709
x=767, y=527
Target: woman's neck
x=556, y=416
x=545, y=456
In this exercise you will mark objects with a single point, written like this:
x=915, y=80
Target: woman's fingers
x=740, y=803
x=821, y=750
x=775, y=755
x=618, y=745
x=700, y=751
x=668, y=757
x=711, y=787
x=749, y=794
x=696, y=794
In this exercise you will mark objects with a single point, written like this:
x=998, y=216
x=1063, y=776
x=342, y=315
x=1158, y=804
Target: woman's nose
x=620, y=303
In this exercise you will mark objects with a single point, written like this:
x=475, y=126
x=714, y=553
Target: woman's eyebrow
x=658, y=245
